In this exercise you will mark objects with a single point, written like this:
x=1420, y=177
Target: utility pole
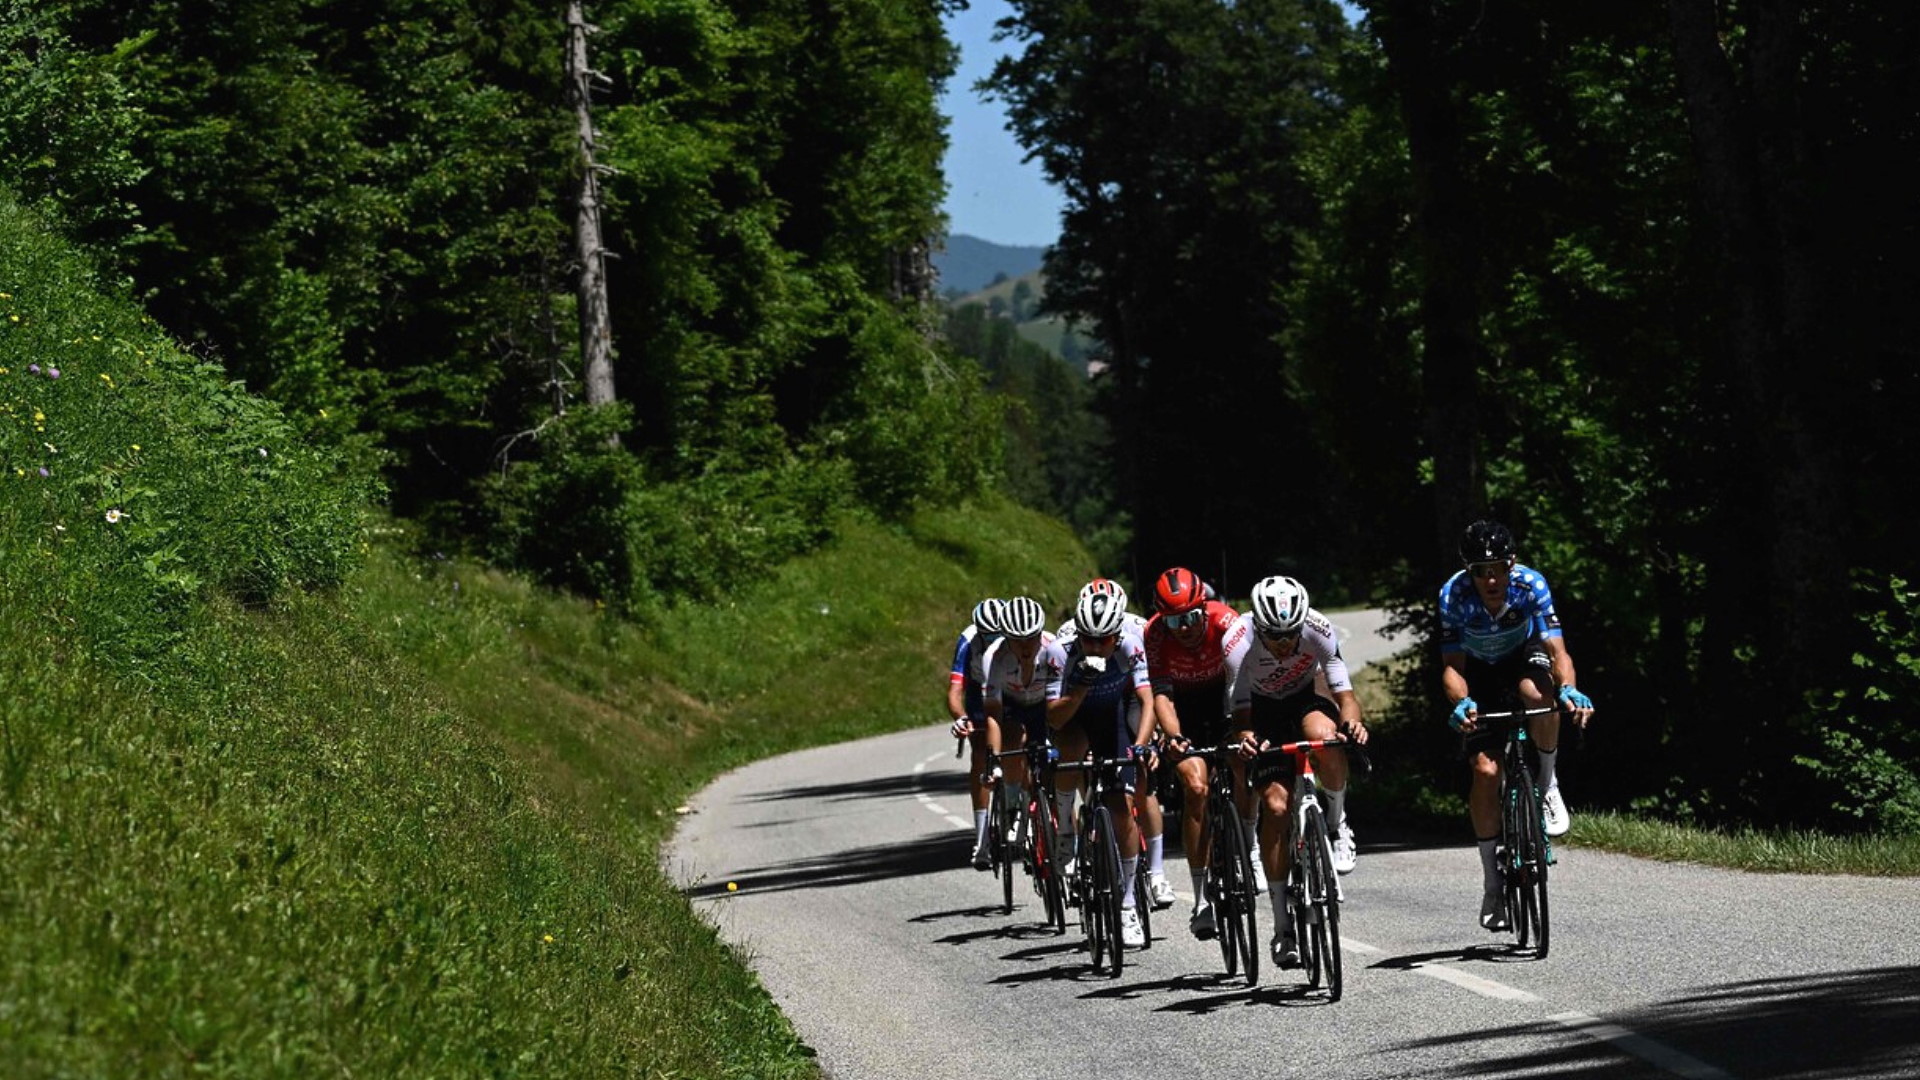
x=596, y=325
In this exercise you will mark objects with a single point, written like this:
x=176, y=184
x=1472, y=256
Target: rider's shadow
x=1493, y=954
x=1239, y=994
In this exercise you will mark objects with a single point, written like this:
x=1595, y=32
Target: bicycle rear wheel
x=1320, y=945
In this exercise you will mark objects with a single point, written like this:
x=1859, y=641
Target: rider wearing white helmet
x=968, y=709
x=1274, y=653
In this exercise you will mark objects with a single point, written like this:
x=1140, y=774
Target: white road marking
x=1638, y=1045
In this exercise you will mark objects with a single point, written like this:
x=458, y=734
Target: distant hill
x=970, y=264
x=1007, y=299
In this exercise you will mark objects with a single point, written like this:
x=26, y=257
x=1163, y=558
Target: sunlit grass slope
x=278, y=798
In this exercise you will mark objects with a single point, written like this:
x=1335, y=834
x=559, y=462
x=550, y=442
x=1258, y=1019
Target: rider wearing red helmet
x=1186, y=660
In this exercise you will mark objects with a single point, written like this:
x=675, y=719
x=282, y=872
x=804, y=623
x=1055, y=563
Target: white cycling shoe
x=1344, y=850
x=1160, y=890
x=1132, y=934
x=1554, y=809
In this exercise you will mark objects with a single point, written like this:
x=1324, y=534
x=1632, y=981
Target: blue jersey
x=1467, y=626
x=1126, y=671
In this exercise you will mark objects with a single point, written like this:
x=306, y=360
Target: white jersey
x=1251, y=669
x=1008, y=681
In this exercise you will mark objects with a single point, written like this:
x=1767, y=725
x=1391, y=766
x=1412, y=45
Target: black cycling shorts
x=1278, y=720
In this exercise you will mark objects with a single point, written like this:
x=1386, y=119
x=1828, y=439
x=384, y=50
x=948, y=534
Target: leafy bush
x=584, y=514
x=1871, y=759
x=136, y=477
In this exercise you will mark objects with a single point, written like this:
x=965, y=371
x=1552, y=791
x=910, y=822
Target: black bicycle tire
x=1323, y=896
x=1049, y=864
x=1143, y=899
x=999, y=817
x=1533, y=866
x=1108, y=887
x=1222, y=869
x=1514, y=778
x=1246, y=903
x=1084, y=873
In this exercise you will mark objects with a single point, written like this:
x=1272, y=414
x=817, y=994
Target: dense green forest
x=1632, y=278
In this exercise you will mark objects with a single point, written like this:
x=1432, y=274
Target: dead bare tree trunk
x=596, y=325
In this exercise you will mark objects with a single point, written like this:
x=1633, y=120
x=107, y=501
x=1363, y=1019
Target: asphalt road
x=841, y=875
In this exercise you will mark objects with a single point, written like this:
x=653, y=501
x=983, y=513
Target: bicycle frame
x=1037, y=840
x=1524, y=852
x=1097, y=870
x=1312, y=885
x=1230, y=882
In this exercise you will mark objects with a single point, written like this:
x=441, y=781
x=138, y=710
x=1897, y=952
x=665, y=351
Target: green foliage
x=1869, y=741
x=137, y=478
x=583, y=513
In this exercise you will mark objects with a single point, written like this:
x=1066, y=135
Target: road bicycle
x=1313, y=888
x=1230, y=884
x=1096, y=876
x=1036, y=835
x=1524, y=852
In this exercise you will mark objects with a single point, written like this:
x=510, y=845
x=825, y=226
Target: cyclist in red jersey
x=1186, y=659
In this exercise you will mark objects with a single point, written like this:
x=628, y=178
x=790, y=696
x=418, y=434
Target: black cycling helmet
x=1485, y=541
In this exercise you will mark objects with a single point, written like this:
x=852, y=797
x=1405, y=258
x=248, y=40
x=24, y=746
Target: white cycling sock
x=1128, y=868
x=979, y=827
x=1199, y=876
x=1156, y=859
x=1547, y=779
x=1336, y=811
x=1489, y=870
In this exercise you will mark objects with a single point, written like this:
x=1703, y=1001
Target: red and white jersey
x=1008, y=680
x=1175, y=668
x=1252, y=669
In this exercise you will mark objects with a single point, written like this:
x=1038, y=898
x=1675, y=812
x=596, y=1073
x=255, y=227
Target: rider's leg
x=1193, y=783
x=1152, y=825
x=1277, y=801
x=1127, y=835
x=1483, y=807
x=1329, y=767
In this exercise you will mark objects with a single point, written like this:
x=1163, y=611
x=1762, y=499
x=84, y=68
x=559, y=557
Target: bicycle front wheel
x=1107, y=892
x=1527, y=860
x=1048, y=864
x=1320, y=944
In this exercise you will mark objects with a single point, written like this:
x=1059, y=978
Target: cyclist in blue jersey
x=1499, y=634
x=968, y=709
x=1103, y=686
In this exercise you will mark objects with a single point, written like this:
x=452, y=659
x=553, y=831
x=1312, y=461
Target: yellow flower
x=547, y=938
x=38, y=416
x=136, y=448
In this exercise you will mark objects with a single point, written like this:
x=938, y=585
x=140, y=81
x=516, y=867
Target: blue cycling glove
x=1460, y=710
x=1574, y=699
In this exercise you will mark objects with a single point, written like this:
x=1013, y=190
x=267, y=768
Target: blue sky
x=991, y=192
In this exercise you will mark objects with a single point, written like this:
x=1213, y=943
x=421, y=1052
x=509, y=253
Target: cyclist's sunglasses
x=1494, y=569
x=1276, y=638
x=1098, y=637
x=1185, y=619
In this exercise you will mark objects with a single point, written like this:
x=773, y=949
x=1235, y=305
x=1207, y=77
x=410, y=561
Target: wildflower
x=53, y=373
x=106, y=378
x=44, y=473
x=547, y=938
x=33, y=369
x=136, y=448
x=114, y=516
x=39, y=417
x=263, y=451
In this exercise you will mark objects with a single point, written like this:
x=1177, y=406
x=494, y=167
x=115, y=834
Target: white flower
x=114, y=516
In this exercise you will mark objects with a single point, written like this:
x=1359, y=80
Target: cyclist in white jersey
x=1499, y=634
x=1274, y=653
x=1020, y=667
x=968, y=709
x=1146, y=802
x=1105, y=691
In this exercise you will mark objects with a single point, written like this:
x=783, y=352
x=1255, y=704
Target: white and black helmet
x=1101, y=611
x=990, y=615
x=1024, y=617
x=1279, y=605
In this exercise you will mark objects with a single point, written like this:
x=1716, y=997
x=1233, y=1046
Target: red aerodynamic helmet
x=1178, y=590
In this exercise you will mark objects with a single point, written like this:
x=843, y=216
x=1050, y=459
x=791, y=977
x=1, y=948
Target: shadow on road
x=934, y=853
x=879, y=787
x=1857, y=1025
